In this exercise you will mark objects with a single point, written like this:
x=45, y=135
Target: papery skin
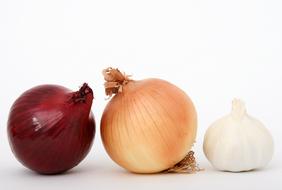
x=149, y=127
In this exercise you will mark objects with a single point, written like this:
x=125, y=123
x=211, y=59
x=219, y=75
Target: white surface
x=214, y=50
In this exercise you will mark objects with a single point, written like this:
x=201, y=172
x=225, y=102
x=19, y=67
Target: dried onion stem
x=115, y=80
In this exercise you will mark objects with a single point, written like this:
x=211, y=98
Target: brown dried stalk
x=115, y=80
x=187, y=165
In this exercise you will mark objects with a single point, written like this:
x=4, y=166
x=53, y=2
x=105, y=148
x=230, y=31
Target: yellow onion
x=149, y=125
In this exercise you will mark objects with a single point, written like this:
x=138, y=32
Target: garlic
x=238, y=142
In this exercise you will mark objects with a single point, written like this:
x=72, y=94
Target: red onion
x=51, y=129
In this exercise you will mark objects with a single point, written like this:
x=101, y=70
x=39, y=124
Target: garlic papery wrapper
x=149, y=125
x=238, y=142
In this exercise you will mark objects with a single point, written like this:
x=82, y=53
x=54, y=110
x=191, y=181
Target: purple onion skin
x=51, y=129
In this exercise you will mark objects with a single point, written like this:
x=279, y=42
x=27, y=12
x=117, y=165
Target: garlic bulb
x=238, y=142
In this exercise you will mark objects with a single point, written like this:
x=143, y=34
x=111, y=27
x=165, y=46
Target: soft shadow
x=84, y=169
x=123, y=172
x=258, y=170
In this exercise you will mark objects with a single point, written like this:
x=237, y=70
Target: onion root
x=187, y=165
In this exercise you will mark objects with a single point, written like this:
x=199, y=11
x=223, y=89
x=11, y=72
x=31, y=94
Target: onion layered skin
x=51, y=129
x=149, y=127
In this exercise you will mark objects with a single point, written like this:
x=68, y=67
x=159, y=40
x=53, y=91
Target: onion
x=149, y=125
x=51, y=129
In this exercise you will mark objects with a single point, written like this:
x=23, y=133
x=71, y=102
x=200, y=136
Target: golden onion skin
x=149, y=127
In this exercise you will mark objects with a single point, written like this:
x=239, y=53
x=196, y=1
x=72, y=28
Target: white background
x=214, y=50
